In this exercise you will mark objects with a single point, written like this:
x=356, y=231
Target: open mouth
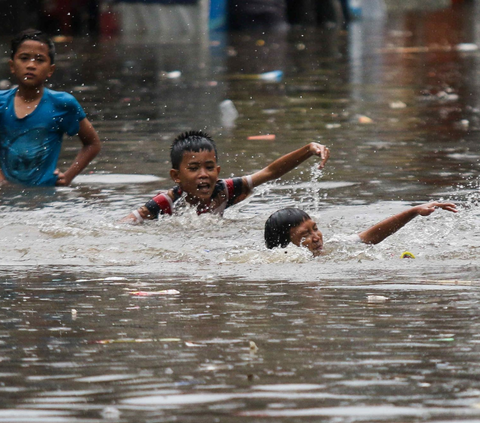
x=203, y=188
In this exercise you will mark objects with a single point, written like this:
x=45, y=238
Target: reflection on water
x=356, y=335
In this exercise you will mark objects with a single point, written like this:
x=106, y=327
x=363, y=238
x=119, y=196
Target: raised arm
x=387, y=227
x=90, y=148
x=288, y=162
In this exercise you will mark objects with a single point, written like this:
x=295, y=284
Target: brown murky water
x=356, y=335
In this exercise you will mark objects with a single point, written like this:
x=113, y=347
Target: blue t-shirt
x=29, y=147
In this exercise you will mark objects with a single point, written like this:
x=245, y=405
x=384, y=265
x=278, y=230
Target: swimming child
x=33, y=119
x=295, y=226
x=195, y=172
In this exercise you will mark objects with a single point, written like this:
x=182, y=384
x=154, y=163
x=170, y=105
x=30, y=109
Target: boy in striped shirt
x=195, y=172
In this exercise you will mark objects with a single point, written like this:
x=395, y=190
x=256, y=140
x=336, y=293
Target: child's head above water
x=295, y=226
x=192, y=141
x=194, y=166
x=34, y=35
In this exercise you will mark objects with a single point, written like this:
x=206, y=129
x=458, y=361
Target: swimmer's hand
x=290, y=161
x=321, y=151
x=428, y=208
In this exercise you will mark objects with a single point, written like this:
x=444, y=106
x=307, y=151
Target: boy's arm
x=138, y=216
x=3, y=180
x=387, y=227
x=91, y=147
x=142, y=213
x=288, y=162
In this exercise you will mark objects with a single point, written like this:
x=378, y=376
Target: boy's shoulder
x=6, y=94
x=59, y=96
x=62, y=99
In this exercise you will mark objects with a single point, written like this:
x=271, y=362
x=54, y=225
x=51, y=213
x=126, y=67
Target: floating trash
x=62, y=39
x=364, y=119
x=115, y=178
x=466, y=47
x=268, y=137
x=192, y=344
x=110, y=413
x=332, y=125
x=397, y=105
x=135, y=340
x=271, y=76
x=155, y=293
x=173, y=74
x=407, y=254
x=228, y=113
x=376, y=298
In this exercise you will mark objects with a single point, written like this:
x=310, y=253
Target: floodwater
x=247, y=334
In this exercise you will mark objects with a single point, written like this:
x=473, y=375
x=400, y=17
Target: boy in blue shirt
x=195, y=172
x=33, y=119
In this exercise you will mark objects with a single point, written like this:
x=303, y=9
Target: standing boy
x=33, y=119
x=195, y=172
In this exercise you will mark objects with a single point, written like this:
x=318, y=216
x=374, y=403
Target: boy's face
x=307, y=235
x=197, y=175
x=31, y=64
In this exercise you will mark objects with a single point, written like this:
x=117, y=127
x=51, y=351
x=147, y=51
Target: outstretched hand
x=428, y=208
x=321, y=151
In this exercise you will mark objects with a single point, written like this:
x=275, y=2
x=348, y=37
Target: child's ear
x=52, y=69
x=174, y=175
x=218, y=169
x=12, y=69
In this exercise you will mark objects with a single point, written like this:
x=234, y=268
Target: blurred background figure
x=279, y=14
x=246, y=14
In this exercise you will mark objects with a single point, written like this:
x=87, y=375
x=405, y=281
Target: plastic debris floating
x=376, y=298
x=228, y=113
x=114, y=178
x=267, y=137
x=155, y=293
x=272, y=76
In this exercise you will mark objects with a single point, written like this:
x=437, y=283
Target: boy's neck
x=29, y=95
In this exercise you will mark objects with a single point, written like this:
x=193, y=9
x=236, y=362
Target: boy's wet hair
x=278, y=225
x=190, y=141
x=36, y=35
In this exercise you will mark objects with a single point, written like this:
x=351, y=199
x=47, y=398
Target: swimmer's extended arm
x=91, y=147
x=387, y=227
x=142, y=213
x=288, y=162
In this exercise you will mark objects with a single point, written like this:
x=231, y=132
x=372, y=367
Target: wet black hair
x=278, y=225
x=190, y=141
x=36, y=35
